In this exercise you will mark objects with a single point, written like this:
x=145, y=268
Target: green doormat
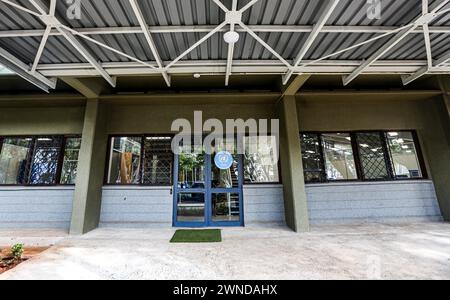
x=197, y=236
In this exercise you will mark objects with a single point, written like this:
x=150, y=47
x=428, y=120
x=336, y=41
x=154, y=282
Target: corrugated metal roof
x=119, y=14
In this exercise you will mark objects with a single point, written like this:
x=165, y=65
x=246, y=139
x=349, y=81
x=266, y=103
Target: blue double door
x=204, y=195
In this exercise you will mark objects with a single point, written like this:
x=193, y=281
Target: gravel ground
x=375, y=251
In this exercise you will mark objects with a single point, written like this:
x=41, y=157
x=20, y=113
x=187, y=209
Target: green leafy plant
x=17, y=251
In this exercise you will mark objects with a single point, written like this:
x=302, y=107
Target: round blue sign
x=223, y=160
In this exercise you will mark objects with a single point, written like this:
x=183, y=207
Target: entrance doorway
x=207, y=194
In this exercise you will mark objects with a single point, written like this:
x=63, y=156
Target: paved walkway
x=414, y=251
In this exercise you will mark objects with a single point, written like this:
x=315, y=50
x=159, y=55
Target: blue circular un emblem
x=223, y=160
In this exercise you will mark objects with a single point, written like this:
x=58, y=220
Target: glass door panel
x=226, y=184
x=225, y=207
x=190, y=187
x=190, y=207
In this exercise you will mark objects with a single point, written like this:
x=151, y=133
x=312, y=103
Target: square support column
x=91, y=166
x=437, y=144
x=295, y=201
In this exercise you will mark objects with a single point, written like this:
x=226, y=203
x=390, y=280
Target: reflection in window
x=158, y=159
x=70, y=163
x=313, y=167
x=404, y=155
x=227, y=178
x=191, y=207
x=44, y=164
x=261, y=159
x=191, y=169
x=339, y=161
x=13, y=160
x=125, y=160
x=225, y=207
x=374, y=165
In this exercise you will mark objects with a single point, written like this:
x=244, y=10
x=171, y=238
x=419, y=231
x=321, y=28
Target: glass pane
x=13, y=160
x=312, y=158
x=191, y=207
x=373, y=156
x=224, y=178
x=261, y=159
x=404, y=155
x=125, y=160
x=339, y=160
x=70, y=164
x=158, y=159
x=191, y=169
x=225, y=207
x=44, y=163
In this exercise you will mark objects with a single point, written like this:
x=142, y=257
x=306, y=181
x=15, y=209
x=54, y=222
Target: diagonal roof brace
x=52, y=21
x=148, y=36
x=424, y=18
x=327, y=11
x=20, y=68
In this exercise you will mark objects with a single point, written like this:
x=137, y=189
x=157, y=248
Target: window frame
x=356, y=155
x=141, y=171
x=140, y=184
x=280, y=176
x=30, y=157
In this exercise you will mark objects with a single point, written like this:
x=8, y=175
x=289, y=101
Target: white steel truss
x=38, y=73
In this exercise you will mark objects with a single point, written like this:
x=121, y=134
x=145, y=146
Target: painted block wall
x=35, y=207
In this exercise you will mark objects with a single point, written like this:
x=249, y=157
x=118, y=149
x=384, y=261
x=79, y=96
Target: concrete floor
x=376, y=251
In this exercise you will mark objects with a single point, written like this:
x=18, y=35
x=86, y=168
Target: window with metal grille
x=35, y=160
x=376, y=155
x=140, y=160
x=44, y=163
x=313, y=166
x=373, y=156
x=70, y=163
x=158, y=161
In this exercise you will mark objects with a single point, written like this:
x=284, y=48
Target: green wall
x=41, y=120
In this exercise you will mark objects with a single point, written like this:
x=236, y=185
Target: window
x=261, y=159
x=404, y=155
x=13, y=160
x=34, y=160
x=373, y=155
x=339, y=159
x=70, y=163
x=44, y=163
x=158, y=160
x=140, y=160
x=125, y=160
x=312, y=157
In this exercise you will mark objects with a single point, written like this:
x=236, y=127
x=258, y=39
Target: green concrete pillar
x=436, y=140
x=295, y=202
x=91, y=166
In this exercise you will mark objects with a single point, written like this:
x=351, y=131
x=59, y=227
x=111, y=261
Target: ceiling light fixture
x=231, y=37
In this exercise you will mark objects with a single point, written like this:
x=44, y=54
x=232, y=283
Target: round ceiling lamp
x=231, y=37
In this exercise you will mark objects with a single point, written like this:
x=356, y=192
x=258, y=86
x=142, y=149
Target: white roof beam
x=85, y=53
x=421, y=20
x=198, y=43
x=17, y=66
x=327, y=10
x=41, y=48
x=208, y=28
x=52, y=20
x=264, y=44
x=148, y=36
x=426, y=32
x=230, y=48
